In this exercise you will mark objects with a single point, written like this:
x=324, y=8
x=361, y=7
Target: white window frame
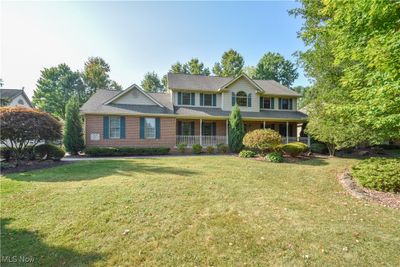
x=270, y=102
x=211, y=100
x=148, y=131
x=190, y=99
x=241, y=97
x=111, y=127
x=288, y=105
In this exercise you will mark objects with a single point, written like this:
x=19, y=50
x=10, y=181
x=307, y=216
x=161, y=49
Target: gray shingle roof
x=217, y=112
x=10, y=93
x=214, y=83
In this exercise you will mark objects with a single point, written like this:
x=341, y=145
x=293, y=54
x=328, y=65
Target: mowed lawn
x=194, y=211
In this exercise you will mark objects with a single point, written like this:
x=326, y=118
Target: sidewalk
x=69, y=158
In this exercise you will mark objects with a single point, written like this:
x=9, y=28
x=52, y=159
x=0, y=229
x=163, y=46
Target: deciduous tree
x=151, y=83
x=231, y=64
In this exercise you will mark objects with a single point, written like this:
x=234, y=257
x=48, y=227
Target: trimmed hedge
x=125, y=151
x=262, y=140
x=222, y=148
x=319, y=148
x=49, y=151
x=181, y=147
x=247, y=154
x=274, y=157
x=196, y=149
x=381, y=174
x=210, y=150
x=294, y=149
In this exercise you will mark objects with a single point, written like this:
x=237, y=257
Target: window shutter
x=214, y=129
x=141, y=128
x=233, y=99
x=249, y=100
x=201, y=99
x=157, y=128
x=192, y=99
x=214, y=100
x=179, y=98
x=106, y=127
x=272, y=103
x=179, y=131
x=192, y=128
x=261, y=102
x=122, y=127
x=280, y=103
x=290, y=103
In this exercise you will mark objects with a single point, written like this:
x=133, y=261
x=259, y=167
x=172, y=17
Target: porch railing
x=209, y=140
x=304, y=140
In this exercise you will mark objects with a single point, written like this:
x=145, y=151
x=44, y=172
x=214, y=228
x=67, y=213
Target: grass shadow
x=312, y=162
x=22, y=247
x=90, y=170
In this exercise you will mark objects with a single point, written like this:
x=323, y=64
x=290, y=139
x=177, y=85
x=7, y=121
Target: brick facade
x=94, y=124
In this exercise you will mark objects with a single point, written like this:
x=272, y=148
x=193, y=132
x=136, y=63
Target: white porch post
x=308, y=141
x=287, y=132
x=226, y=132
x=201, y=130
x=264, y=124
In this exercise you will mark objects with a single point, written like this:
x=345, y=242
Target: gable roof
x=13, y=93
x=241, y=76
x=189, y=82
x=130, y=88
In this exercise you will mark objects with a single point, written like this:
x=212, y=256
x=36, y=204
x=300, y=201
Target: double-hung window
x=115, y=127
x=285, y=103
x=266, y=103
x=186, y=98
x=149, y=128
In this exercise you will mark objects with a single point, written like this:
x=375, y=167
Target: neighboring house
x=194, y=110
x=14, y=97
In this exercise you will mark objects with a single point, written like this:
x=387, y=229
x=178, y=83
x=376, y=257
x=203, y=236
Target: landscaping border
x=386, y=199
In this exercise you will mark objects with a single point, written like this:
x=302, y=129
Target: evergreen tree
x=236, y=130
x=73, y=132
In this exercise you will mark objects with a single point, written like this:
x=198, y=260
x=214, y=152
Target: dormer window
x=241, y=99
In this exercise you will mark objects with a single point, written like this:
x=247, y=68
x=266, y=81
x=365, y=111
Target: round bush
x=262, y=140
x=181, y=147
x=222, y=148
x=274, y=157
x=210, y=150
x=319, y=148
x=196, y=149
x=294, y=149
x=49, y=151
x=247, y=154
x=381, y=174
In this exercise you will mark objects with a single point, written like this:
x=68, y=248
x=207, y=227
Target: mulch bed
x=386, y=199
x=34, y=165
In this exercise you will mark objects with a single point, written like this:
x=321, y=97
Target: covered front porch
x=213, y=132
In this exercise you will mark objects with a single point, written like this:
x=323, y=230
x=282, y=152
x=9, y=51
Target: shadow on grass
x=22, y=247
x=90, y=170
x=312, y=162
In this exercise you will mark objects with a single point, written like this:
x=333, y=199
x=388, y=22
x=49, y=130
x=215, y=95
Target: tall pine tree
x=73, y=132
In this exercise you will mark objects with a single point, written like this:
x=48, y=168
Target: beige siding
x=134, y=97
x=197, y=99
x=245, y=86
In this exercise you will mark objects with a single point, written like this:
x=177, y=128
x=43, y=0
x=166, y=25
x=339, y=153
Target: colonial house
x=194, y=110
x=14, y=97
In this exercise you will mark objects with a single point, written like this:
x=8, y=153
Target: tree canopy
x=273, y=66
x=151, y=83
x=353, y=59
x=231, y=64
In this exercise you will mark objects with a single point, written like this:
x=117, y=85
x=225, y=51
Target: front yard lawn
x=194, y=211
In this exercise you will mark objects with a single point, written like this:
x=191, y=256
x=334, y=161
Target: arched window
x=241, y=99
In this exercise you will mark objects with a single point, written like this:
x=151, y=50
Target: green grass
x=194, y=211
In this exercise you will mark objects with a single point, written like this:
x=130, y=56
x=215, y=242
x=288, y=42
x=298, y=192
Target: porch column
x=201, y=129
x=226, y=132
x=308, y=141
x=287, y=132
x=264, y=124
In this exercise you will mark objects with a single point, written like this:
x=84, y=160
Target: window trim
x=211, y=100
x=289, y=106
x=110, y=127
x=271, y=99
x=155, y=128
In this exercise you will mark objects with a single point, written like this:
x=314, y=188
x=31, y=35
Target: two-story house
x=194, y=110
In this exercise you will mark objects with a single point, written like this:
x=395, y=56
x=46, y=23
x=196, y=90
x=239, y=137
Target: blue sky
x=136, y=37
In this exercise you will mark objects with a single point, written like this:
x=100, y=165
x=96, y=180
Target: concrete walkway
x=68, y=158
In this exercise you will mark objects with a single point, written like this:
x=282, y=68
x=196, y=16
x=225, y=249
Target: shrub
x=294, y=149
x=210, y=150
x=247, y=154
x=274, y=157
x=181, y=147
x=196, y=149
x=222, y=148
x=125, y=151
x=382, y=174
x=5, y=153
x=49, y=151
x=236, y=130
x=319, y=148
x=262, y=140
x=21, y=126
